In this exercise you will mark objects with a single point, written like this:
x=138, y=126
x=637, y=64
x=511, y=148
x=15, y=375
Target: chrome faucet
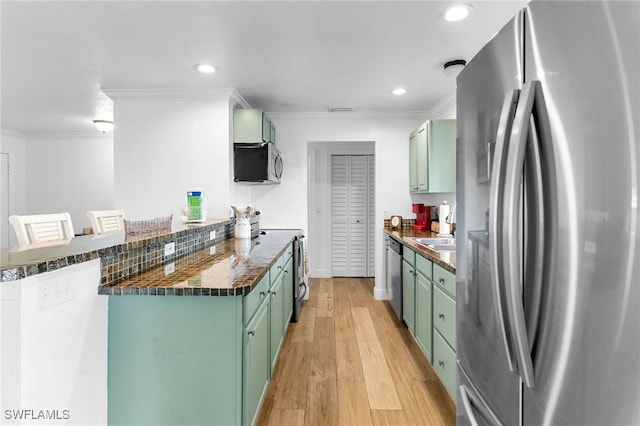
x=449, y=219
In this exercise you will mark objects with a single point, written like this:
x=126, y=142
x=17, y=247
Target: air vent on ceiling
x=338, y=109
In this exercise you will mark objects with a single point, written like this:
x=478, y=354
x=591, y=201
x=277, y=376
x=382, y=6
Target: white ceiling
x=282, y=56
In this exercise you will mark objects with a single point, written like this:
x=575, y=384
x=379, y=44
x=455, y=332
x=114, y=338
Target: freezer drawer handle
x=466, y=402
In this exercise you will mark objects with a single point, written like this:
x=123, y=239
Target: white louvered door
x=352, y=218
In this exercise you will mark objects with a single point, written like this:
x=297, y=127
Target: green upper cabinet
x=252, y=126
x=432, y=157
x=413, y=164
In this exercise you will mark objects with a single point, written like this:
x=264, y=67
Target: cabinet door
x=422, y=160
x=266, y=128
x=408, y=294
x=256, y=364
x=276, y=318
x=287, y=291
x=423, y=331
x=413, y=161
x=441, y=156
x=247, y=125
x=273, y=133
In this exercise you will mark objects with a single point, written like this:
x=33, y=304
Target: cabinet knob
x=273, y=292
x=441, y=316
x=441, y=363
x=251, y=333
x=441, y=280
x=262, y=293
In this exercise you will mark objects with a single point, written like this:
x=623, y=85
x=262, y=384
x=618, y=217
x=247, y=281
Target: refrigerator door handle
x=496, y=218
x=511, y=230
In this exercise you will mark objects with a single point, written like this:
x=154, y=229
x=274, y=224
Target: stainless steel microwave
x=257, y=163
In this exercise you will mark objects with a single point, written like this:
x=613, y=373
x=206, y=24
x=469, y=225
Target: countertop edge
x=165, y=290
x=431, y=255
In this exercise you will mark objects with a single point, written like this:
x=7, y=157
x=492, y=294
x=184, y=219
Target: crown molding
x=444, y=105
x=180, y=94
x=352, y=115
x=9, y=132
x=68, y=135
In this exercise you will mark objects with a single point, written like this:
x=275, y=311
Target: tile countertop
x=229, y=268
x=18, y=263
x=446, y=259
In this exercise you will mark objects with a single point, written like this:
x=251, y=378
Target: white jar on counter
x=243, y=228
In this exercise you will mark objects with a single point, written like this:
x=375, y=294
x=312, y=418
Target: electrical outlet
x=212, y=250
x=55, y=289
x=169, y=249
x=212, y=235
x=169, y=268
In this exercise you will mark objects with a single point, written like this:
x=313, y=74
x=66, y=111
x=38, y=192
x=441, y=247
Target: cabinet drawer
x=409, y=255
x=276, y=268
x=445, y=279
x=255, y=298
x=424, y=266
x=288, y=252
x=444, y=362
x=444, y=315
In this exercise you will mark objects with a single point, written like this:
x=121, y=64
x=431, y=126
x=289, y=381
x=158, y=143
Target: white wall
x=14, y=144
x=69, y=174
x=167, y=142
x=55, y=357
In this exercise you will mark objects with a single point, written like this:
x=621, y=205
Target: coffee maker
x=424, y=215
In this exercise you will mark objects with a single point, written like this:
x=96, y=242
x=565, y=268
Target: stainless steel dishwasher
x=395, y=274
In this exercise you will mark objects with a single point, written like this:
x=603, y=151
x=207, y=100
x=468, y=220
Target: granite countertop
x=18, y=263
x=229, y=268
x=446, y=259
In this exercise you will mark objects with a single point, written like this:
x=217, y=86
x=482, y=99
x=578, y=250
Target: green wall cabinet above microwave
x=252, y=126
x=432, y=157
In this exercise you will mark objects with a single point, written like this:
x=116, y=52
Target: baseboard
x=380, y=294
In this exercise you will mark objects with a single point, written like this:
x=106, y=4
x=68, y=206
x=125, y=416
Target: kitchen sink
x=440, y=244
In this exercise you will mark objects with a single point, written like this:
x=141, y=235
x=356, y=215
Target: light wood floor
x=350, y=362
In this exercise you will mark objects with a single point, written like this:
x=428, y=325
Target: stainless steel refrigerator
x=548, y=255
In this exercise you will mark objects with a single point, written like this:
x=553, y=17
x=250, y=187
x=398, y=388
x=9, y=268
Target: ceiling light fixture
x=452, y=68
x=399, y=91
x=103, y=125
x=456, y=13
x=206, y=68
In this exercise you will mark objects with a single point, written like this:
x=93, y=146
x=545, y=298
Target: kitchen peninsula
x=192, y=336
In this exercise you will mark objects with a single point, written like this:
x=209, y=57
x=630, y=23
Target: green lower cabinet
x=257, y=364
x=444, y=363
x=276, y=315
x=408, y=294
x=423, y=326
x=175, y=360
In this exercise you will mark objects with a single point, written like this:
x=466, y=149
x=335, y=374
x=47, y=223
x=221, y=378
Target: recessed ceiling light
x=456, y=13
x=206, y=68
x=398, y=91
